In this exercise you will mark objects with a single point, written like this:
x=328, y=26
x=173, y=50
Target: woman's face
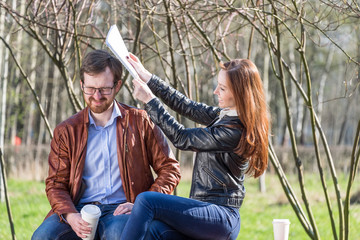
x=222, y=90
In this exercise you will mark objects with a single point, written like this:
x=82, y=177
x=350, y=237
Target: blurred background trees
x=308, y=53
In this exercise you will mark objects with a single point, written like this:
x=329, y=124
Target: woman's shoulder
x=230, y=121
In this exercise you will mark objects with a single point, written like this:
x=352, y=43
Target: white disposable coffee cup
x=281, y=229
x=91, y=214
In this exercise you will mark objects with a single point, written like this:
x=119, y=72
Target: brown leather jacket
x=140, y=145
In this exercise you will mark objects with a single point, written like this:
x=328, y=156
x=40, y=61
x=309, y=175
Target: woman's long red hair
x=246, y=86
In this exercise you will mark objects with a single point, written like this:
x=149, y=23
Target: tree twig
x=3, y=173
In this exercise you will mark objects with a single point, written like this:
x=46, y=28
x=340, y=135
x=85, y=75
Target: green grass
x=29, y=207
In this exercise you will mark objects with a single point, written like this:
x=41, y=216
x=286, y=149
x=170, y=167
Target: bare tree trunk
x=19, y=44
x=14, y=106
x=324, y=76
x=262, y=182
x=303, y=125
x=4, y=61
x=355, y=156
x=32, y=77
x=54, y=100
x=114, y=12
x=42, y=130
x=344, y=122
x=5, y=71
x=65, y=112
x=297, y=104
x=3, y=179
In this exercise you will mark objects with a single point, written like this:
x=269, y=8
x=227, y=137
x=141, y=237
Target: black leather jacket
x=219, y=173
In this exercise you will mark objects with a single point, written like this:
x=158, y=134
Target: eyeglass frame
x=98, y=89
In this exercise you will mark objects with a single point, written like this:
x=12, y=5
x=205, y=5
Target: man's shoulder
x=75, y=120
x=133, y=111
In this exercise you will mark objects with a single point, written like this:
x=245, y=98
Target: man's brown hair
x=96, y=62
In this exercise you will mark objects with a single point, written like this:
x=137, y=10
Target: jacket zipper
x=215, y=178
x=124, y=157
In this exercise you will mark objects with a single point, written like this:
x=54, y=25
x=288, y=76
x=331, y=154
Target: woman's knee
x=145, y=198
x=160, y=230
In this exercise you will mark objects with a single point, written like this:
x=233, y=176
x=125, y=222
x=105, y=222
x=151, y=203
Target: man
x=102, y=155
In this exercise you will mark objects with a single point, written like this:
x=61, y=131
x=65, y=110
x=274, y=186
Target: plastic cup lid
x=287, y=221
x=91, y=209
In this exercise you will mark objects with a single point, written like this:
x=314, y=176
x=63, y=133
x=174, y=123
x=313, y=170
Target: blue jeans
x=161, y=216
x=109, y=226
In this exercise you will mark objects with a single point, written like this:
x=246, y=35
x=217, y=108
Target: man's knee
x=52, y=228
x=114, y=228
x=39, y=234
x=43, y=232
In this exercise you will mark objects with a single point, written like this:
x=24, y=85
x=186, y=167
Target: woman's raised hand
x=142, y=91
x=144, y=74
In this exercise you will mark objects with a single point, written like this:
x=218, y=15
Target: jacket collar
x=121, y=107
x=227, y=112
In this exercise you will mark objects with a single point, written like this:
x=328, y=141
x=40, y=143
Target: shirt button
x=132, y=183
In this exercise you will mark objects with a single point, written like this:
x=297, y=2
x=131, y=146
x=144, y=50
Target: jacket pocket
x=215, y=178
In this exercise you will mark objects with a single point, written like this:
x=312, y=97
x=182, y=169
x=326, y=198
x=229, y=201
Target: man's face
x=98, y=102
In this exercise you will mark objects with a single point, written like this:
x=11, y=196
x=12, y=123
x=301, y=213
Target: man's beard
x=106, y=103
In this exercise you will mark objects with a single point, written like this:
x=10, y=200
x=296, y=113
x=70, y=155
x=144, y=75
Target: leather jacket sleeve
x=219, y=138
x=162, y=160
x=198, y=112
x=57, y=182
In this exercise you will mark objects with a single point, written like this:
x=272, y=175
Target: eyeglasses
x=102, y=91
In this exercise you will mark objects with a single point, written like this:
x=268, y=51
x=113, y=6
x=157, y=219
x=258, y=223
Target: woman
x=234, y=142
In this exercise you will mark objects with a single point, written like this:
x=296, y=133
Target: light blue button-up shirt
x=101, y=171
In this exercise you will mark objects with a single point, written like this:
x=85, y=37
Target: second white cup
x=281, y=229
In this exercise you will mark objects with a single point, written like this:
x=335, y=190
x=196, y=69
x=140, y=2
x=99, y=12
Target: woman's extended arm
x=215, y=138
x=198, y=112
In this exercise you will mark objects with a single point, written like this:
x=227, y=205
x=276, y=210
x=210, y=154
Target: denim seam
x=162, y=233
x=63, y=233
x=196, y=217
x=232, y=230
x=103, y=226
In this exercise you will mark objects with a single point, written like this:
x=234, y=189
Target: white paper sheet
x=116, y=44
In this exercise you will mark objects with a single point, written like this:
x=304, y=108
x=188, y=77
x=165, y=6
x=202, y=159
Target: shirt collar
x=115, y=113
x=227, y=112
